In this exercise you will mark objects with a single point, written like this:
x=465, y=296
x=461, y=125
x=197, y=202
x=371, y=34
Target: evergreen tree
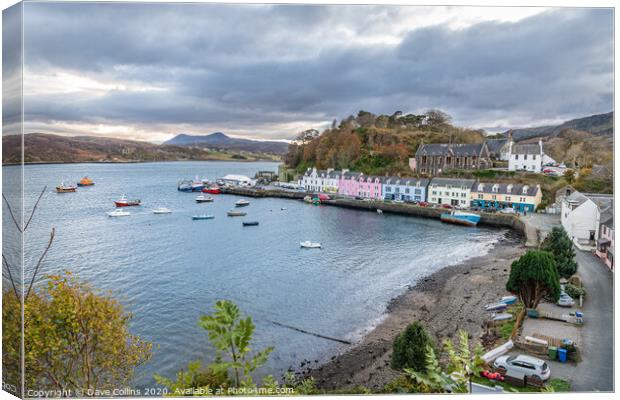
x=410, y=348
x=559, y=244
x=534, y=276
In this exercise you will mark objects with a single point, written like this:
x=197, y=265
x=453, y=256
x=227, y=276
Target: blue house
x=405, y=189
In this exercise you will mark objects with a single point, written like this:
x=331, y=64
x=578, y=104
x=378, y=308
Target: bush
x=410, y=348
x=574, y=291
x=560, y=245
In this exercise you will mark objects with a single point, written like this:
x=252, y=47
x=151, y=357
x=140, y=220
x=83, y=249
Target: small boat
x=242, y=203
x=461, y=218
x=62, y=188
x=283, y=208
x=119, y=213
x=495, y=307
x=162, y=210
x=203, y=216
x=203, y=199
x=86, y=181
x=124, y=202
x=310, y=245
x=508, y=300
x=250, y=223
x=212, y=190
x=502, y=317
x=308, y=199
x=184, y=186
x=232, y=213
x=379, y=211
x=197, y=184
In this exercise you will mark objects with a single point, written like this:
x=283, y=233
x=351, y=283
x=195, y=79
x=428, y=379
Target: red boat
x=212, y=190
x=123, y=202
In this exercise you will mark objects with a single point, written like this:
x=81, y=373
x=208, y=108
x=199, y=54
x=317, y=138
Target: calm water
x=169, y=270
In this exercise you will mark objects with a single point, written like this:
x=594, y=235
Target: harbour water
x=168, y=270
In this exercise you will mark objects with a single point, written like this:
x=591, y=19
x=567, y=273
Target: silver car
x=521, y=366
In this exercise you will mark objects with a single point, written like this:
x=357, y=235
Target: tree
x=534, y=276
x=569, y=175
x=437, y=117
x=74, y=338
x=231, y=335
x=410, y=348
x=559, y=244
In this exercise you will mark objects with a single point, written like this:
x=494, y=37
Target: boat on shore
x=86, y=181
x=232, y=213
x=203, y=199
x=310, y=245
x=250, y=223
x=460, y=218
x=161, y=210
x=119, y=213
x=212, y=190
x=62, y=188
x=242, y=203
x=124, y=202
x=203, y=216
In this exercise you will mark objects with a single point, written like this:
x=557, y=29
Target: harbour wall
x=488, y=219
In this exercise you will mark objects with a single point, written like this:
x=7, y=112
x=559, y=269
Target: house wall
x=528, y=162
x=452, y=195
x=369, y=188
x=348, y=186
x=515, y=200
x=581, y=221
x=404, y=192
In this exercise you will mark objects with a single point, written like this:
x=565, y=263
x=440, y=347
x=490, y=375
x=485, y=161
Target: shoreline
x=131, y=162
x=444, y=302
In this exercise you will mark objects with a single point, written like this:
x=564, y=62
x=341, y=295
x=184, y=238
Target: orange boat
x=86, y=181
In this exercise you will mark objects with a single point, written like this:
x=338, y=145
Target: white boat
x=379, y=211
x=162, y=210
x=203, y=199
x=242, y=203
x=310, y=245
x=119, y=213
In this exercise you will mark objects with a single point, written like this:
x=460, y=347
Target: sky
x=151, y=71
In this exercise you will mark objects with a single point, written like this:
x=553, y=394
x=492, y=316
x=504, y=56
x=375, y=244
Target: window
x=388, y=189
x=516, y=156
x=481, y=196
x=525, y=157
x=494, y=197
x=507, y=198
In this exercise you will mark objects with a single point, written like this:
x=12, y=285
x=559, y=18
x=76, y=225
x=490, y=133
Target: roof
x=440, y=149
x=394, y=180
x=526, y=149
x=603, y=201
x=502, y=188
x=495, y=145
x=452, y=182
x=232, y=177
x=607, y=218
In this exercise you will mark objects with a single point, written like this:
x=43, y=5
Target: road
x=596, y=372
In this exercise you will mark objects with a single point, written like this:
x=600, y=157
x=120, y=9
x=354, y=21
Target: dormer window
x=509, y=188
x=481, y=187
x=495, y=188
x=525, y=188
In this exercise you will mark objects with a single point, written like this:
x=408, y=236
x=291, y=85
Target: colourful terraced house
x=348, y=185
x=370, y=187
x=405, y=189
x=504, y=195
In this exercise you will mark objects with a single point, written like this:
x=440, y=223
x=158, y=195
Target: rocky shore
x=449, y=300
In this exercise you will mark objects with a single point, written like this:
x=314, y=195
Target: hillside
x=375, y=144
x=220, y=141
x=42, y=147
x=598, y=125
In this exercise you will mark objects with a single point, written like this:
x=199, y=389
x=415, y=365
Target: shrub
x=560, y=245
x=410, y=348
x=574, y=291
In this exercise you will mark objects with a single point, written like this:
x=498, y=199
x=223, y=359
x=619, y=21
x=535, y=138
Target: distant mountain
x=219, y=140
x=599, y=125
x=42, y=148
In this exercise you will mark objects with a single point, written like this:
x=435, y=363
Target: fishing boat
x=124, y=202
x=86, y=181
x=242, y=203
x=119, y=213
x=461, y=218
x=184, y=186
x=62, y=188
x=197, y=184
x=212, y=190
x=203, y=216
x=310, y=245
x=203, y=199
x=232, y=213
x=495, y=307
x=161, y=210
x=250, y=223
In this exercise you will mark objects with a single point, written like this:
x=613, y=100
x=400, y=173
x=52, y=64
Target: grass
x=554, y=385
x=559, y=385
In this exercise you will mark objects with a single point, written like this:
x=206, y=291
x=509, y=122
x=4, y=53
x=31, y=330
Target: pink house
x=348, y=185
x=370, y=187
x=605, y=244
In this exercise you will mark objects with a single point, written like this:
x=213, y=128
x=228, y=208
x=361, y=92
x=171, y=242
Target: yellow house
x=503, y=195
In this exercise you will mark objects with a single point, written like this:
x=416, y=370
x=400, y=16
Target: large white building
x=527, y=157
x=581, y=216
x=454, y=192
x=324, y=181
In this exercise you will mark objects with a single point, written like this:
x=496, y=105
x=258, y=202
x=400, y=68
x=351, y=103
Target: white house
x=455, y=192
x=324, y=181
x=581, y=216
x=527, y=157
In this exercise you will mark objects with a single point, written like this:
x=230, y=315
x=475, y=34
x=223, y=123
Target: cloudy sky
x=150, y=71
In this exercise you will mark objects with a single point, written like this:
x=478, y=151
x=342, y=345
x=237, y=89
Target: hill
x=598, y=125
x=219, y=140
x=43, y=148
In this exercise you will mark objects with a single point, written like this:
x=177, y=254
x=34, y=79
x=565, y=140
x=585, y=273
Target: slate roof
x=452, y=182
x=495, y=145
x=502, y=188
x=603, y=201
x=442, y=149
x=607, y=218
x=526, y=149
x=394, y=180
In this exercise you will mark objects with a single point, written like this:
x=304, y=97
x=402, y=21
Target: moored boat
x=62, y=188
x=242, y=203
x=232, y=213
x=310, y=245
x=211, y=190
x=119, y=213
x=495, y=307
x=203, y=199
x=161, y=210
x=124, y=202
x=203, y=216
x=86, y=181
x=460, y=218
x=197, y=184
x=184, y=186
x=250, y=223
x=308, y=199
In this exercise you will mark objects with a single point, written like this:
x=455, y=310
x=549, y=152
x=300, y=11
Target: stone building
x=435, y=158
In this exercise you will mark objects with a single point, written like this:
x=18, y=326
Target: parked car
x=423, y=204
x=508, y=210
x=448, y=206
x=522, y=366
x=398, y=201
x=565, y=300
x=359, y=198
